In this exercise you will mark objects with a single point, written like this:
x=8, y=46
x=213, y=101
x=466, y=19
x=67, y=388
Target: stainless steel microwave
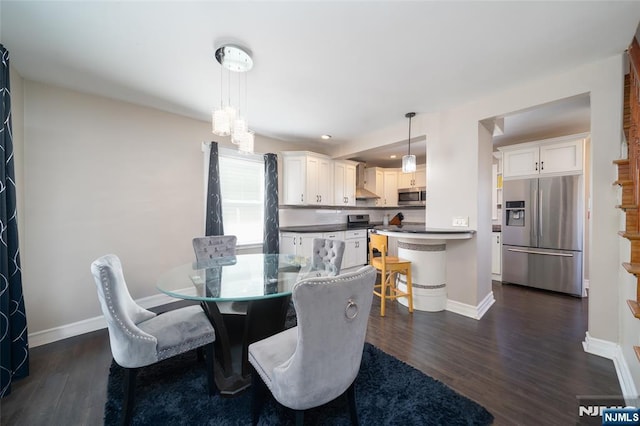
x=412, y=196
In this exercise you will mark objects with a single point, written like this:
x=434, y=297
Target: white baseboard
x=471, y=311
x=613, y=351
x=92, y=324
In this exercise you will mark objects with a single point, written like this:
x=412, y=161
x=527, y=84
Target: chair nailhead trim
x=109, y=299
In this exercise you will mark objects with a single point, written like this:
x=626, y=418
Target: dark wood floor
x=523, y=361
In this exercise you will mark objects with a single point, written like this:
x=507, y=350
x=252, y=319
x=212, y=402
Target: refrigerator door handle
x=539, y=216
x=540, y=252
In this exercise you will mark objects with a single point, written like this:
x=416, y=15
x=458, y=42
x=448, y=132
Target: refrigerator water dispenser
x=515, y=213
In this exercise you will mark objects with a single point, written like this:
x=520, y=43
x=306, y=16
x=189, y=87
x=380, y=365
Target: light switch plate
x=460, y=221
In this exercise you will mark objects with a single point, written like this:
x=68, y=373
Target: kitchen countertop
x=497, y=228
x=337, y=227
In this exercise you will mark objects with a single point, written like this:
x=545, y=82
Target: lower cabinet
x=301, y=244
x=355, y=251
x=298, y=243
x=496, y=254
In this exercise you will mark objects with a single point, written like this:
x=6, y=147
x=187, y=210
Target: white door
x=339, y=184
x=288, y=243
x=313, y=167
x=325, y=181
x=405, y=180
x=350, y=184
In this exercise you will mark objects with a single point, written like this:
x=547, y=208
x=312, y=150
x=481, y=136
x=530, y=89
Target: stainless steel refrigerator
x=542, y=233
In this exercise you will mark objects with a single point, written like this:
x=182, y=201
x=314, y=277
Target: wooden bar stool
x=389, y=267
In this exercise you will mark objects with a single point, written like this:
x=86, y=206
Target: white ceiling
x=343, y=68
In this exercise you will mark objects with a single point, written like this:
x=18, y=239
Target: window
x=242, y=190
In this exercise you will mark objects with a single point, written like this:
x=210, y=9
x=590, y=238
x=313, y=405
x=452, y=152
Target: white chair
x=317, y=361
x=326, y=261
x=213, y=247
x=139, y=337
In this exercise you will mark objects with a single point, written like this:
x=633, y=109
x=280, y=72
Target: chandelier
x=230, y=119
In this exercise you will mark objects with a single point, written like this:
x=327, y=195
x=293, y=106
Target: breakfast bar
x=426, y=249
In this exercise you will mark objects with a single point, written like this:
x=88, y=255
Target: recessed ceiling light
x=325, y=137
x=393, y=156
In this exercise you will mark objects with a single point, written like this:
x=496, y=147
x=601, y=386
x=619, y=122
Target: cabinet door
x=294, y=171
x=313, y=167
x=304, y=244
x=375, y=183
x=325, y=181
x=494, y=191
x=496, y=254
x=350, y=253
x=521, y=162
x=390, y=197
x=350, y=184
x=420, y=180
x=361, y=251
x=561, y=157
x=405, y=180
x=288, y=243
x=339, y=174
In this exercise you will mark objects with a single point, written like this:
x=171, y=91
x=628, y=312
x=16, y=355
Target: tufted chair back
x=214, y=246
x=326, y=259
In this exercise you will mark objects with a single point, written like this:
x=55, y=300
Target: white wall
x=103, y=176
x=454, y=172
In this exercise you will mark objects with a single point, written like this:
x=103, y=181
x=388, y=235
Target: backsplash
x=305, y=217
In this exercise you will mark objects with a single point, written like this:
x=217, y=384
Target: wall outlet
x=460, y=221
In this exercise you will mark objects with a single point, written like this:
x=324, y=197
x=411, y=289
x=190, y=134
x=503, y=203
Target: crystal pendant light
x=409, y=160
x=227, y=120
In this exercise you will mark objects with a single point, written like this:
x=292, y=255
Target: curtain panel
x=214, y=200
x=271, y=242
x=14, y=346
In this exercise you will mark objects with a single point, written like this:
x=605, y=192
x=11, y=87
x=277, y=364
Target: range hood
x=361, y=193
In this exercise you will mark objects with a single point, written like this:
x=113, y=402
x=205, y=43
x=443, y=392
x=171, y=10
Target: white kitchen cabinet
x=298, y=243
x=496, y=254
x=557, y=156
x=308, y=178
x=344, y=183
x=390, y=188
x=335, y=235
x=417, y=179
x=355, y=251
x=374, y=182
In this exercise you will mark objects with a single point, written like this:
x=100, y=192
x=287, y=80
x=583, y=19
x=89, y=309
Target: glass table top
x=239, y=278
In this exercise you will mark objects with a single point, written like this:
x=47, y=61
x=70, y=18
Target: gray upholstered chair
x=326, y=261
x=214, y=246
x=317, y=361
x=139, y=337
x=326, y=258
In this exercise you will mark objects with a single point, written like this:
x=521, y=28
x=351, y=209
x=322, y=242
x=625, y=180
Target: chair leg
x=410, y=289
x=299, y=417
x=383, y=291
x=351, y=399
x=129, y=394
x=210, y=361
x=258, y=394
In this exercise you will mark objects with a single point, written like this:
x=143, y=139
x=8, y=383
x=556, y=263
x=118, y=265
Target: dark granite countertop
x=421, y=229
x=497, y=228
x=323, y=228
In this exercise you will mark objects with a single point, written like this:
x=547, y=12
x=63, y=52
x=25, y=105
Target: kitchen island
x=426, y=249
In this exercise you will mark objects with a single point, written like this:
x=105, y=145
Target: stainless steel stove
x=358, y=221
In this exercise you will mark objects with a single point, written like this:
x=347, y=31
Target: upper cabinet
x=558, y=156
x=374, y=182
x=390, y=188
x=308, y=178
x=417, y=179
x=344, y=179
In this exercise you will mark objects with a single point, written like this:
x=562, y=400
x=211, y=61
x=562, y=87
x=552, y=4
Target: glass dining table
x=258, y=286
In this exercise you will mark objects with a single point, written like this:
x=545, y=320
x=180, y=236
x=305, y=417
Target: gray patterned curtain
x=14, y=347
x=271, y=242
x=214, y=201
